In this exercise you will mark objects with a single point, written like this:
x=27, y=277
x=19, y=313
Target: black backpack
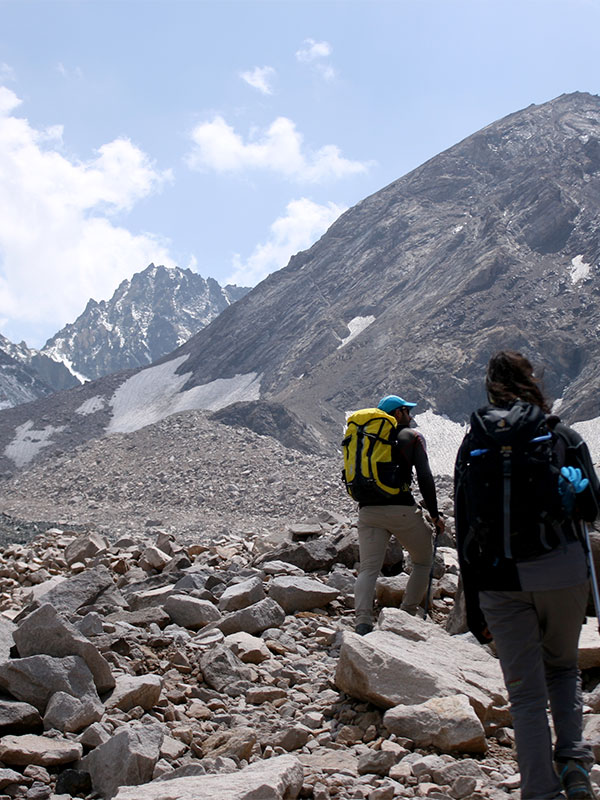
x=508, y=471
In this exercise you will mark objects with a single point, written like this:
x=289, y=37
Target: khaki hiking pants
x=375, y=526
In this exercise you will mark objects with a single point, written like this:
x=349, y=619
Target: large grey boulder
x=7, y=628
x=40, y=750
x=135, y=690
x=126, y=759
x=312, y=556
x=408, y=661
x=190, y=612
x=71, y=714
x=86, y=546
x=240, y=595
x=67, y=596
x=35, y=679
x=222, y=669
x=301, y=594
x=277, y=778
x=448, y=723
x=256, y=618
x=16, y=717
x=44, y=631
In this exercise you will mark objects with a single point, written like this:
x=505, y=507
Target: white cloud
x=58, y=245
x=303, y=223
x=260, y=78
x=315, y=53
x=312, y=51
x=280, y=149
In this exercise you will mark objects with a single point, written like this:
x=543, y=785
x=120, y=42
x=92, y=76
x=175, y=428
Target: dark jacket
x=479, y=574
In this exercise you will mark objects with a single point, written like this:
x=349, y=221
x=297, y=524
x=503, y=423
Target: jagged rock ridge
x=148, y=316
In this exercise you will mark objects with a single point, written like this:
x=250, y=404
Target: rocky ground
x=189, y=634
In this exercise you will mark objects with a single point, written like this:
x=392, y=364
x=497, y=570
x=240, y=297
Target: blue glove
x=570, y=483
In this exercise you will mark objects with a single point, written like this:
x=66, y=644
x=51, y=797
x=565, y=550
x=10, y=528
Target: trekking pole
x=593, y=578
x=428, y=595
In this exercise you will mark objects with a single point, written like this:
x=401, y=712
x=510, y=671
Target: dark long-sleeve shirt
x=409, y=450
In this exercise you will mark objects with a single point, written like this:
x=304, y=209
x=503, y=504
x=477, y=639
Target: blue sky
x=225, y=135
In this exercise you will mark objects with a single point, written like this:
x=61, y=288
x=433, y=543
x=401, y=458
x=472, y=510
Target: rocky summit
x=493, y=243
x=147, y=317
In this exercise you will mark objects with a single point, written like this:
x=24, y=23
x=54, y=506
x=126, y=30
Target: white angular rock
x=154, y=559
x=448, y=723
x=409, y=661
x=151, y=597
x=249, y=649
x=278, y=778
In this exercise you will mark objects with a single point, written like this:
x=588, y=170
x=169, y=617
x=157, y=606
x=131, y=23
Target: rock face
x=26, y=375
x=492, y=243
x=148, y=316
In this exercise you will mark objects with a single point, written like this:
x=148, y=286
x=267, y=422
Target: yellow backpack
x=369, y=473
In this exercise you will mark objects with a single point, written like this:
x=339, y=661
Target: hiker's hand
x=440, y=525
x=570, y=483
x=575, y=478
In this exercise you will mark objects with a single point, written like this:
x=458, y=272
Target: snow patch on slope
x=579, y=269
x=28, y=442
x=356, y=326
x=91, y=405
x=155, y=393
x=443, y=438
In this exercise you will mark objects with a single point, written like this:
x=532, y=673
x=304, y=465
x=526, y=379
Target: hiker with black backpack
x=524, y=488
x=380, y=451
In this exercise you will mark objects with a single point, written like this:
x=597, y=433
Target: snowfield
x=156, y=393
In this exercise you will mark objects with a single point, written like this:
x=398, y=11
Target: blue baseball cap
x=391, y=402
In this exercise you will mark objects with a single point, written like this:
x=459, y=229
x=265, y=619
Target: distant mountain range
x=146, y=318
x=493, y=243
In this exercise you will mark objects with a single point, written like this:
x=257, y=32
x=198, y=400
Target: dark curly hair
x=510, y=377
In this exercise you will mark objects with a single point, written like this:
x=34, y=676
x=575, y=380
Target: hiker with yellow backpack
x=380, y=450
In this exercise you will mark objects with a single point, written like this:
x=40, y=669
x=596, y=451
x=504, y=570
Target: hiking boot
x=575, y=780
x=363, y=627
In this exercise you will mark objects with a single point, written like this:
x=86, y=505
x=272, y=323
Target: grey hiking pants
x=536, y=635
x=375, y=526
